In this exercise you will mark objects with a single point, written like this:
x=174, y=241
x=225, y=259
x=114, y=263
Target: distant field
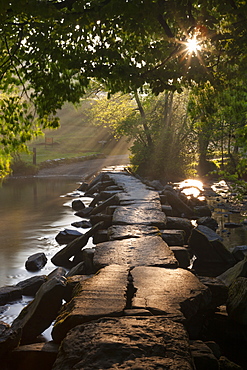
x=76, y=137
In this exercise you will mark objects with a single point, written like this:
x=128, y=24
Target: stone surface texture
x=126, y=343
x=39, y=313
x=176, y=293
x=149, y=251
x=100, y=296
x=118, y=232
x=237, y=301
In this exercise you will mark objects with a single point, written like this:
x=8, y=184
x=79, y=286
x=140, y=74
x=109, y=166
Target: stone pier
x=132, y=301
x=135, y=312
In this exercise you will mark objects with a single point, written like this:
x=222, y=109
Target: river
x=34, y=210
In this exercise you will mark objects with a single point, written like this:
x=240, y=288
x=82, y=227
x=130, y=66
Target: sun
x=193, y=45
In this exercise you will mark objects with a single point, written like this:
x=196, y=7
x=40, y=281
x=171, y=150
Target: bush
x=21, y=168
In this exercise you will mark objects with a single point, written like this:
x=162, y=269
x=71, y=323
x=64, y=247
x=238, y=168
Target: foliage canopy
x=50, y=49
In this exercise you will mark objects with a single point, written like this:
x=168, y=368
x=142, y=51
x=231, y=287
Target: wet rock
x=72, y=282
x=9, y=294
x=106, y=194
x=167, y=210
x=9, y=338
x=215, y=348
x=141, y=214
x=39, y=314
x=98, y=186
x=38, y=356
x=62, y=258
x=30, y=286
x=203, y=356
x=36, y=262
x=79, y=269
x=232, y=225
x=173, y=237
x=226, y=364
x=101, y=217
x=119, y=232
x=175, y=293
x=109, y=202
x=178, y=206
x=87, y=258
x=237, y=301
x=77, y=205
x=95, y=200
x=83, y=224
x=178, y=223
x=210, y=222
x=99, y=296
x=92, y=189
x=149, y=251
x=156, y=184
x=182, y=255
x=110, y=210
x=218, y=290
x=84, y=213
x=66, y=236
x=83, y=186
x=96, y=179
x=212, y=256
x=239, y=252
x=240, y=269
x=100, y=236
x=58, y=273
x=112, y=188
x=126, y=343
x=202, y=211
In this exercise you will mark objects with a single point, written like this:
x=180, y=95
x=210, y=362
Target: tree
x=220, y=121
x=52, y=48
x=157, y=127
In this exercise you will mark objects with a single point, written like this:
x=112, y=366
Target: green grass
x=76, y=137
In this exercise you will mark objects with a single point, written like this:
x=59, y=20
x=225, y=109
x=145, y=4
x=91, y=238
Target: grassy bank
x=76, y=137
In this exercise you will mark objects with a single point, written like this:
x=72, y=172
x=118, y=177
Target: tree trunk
x=144, y=120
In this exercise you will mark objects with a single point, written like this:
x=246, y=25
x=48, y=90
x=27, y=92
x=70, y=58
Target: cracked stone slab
x=102, y=295
x=119, y=232
x=143, y=251
x=151, y=343
x=141, y=214
x=176, y=293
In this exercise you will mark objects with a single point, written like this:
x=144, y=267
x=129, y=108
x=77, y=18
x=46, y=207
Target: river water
x=33, y=211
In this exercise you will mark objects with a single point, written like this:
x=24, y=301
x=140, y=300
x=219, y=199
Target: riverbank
x=84, y=169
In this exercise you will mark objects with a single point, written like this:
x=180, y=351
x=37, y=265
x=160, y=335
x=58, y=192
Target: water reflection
x=32, y=213
x=219, y=202
x=191, y=188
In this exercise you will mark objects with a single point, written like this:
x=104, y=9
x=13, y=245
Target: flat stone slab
x=143, y=251
x=176, y=293
x=141, y=214
x=140, y=196
x=126, y=343
x=126, y=182
x=119, y=232
x=102, y=295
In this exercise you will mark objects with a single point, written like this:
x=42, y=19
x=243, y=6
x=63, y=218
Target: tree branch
x=165, y=26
